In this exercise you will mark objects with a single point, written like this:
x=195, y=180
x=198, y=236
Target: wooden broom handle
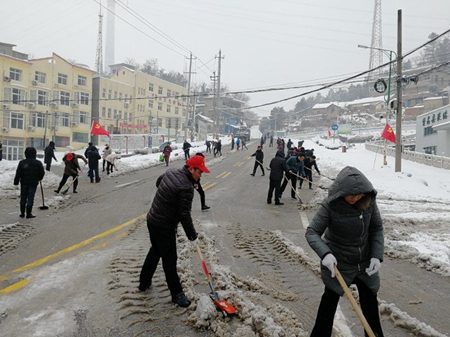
x=353, y=303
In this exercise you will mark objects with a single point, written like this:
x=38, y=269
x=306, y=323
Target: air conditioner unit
x=74, y=105
x=34, y=82
x=74, y=123
x=31, y=128
x=5, y=106
x=6, y=79
x=5, y=129
x=54, y=104
x=31, y=105
x=54, y=127
x=126, y=104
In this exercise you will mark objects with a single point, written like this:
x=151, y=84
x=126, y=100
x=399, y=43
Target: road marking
x=72, y=248
x=226, y=175
x=209, y=186
x=240, y=164
x=304, y=218
x=136, y=181
x=220, y=175
x=15, y=286
x=236, y=164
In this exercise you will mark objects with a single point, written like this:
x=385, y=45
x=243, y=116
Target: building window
x=42, y=97
x=159, y=106
x=17, y=120
x=176, y=110
x=62, y=79
x=125, y=115
x=64, y=97
x=109, y=112
x=103, y=93
x=160, y=90
x=84, y=117
x=82, y=80
x=169, y=92
x=169, y=122
x=430, y=149
x=38, y=120
x=39, y=77
x=18, y=96
x=428, y=131
x=103, y=112
x=115, y=94
x=64, y=120
x=168, y=109
x=15, y=74
x=84, y=98
x=150, y=104
x=109, y=94
x=150, y=87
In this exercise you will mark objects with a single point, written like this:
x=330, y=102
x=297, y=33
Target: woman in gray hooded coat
x=347, y=232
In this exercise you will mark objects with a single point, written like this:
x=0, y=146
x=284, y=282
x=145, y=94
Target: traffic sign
x=334, y=127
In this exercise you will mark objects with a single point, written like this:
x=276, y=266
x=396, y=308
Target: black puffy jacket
x=259, y=156
x=172, y=203
x=278, y=166
x=30, y=170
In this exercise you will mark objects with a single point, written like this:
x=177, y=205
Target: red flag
x=388, y=133
x=97, y=129
x=329, y=133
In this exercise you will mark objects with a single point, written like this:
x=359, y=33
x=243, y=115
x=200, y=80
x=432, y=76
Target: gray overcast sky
x=266, y=43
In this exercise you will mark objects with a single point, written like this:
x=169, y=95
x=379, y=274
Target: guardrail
x=417, y=157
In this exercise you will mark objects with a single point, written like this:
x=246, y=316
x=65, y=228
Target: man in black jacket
x=309, y=164
x=29, y=172
x=49, y=154
x=277, y=168
x=259, y=158
x=171, y=205
x=93, y=157
x=186, y=148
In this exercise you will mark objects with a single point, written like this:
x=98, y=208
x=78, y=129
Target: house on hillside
x=327, y=110
x=370, y=105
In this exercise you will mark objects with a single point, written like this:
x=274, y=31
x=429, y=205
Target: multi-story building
x=433, y=132
x=42, y=100
x=132, y=102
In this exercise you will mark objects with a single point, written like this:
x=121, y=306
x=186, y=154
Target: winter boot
x=181, y=300
x=22, y=210
x=29, y=209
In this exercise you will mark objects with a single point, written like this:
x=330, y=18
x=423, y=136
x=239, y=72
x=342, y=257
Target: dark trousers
x=308, y=176
x=274, y=185
x=27, y=193
x=109, y=167
x=93, y=170
x=293, y=179
x=104, y=163
x=232, y=146
x=328, y=305
x=202, y=194
x=187, y=155
x=164, y=246
x=256, y=166
x=47, y=166
x=64, y=180
x=208, y=149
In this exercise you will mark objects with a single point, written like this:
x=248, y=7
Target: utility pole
x=220, y=57
x=214, y=78
x=398, y=143
x=188, y=98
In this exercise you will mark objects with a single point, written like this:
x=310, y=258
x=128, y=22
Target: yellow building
x=42, y=100
x=132, y=102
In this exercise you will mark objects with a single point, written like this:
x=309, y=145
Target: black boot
x=181, y=300
x=29, y=215
x=22, y=210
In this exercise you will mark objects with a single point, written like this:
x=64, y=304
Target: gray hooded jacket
x=352, y=233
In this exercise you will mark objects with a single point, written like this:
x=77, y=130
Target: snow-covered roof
x=432, y=98
x=206, y=119
x=323, y=105
x=367, y=100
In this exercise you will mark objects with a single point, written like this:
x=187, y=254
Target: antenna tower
x=376, y=55
x=99, y=54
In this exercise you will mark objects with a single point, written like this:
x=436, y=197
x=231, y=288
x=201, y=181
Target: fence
x=418, y=157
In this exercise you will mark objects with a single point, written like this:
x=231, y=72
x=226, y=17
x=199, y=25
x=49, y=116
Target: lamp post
x=388, y=89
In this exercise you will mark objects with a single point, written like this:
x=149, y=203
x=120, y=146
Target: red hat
x=259, y=146
x=198, y=162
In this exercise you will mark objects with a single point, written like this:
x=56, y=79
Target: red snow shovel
x=221, y=304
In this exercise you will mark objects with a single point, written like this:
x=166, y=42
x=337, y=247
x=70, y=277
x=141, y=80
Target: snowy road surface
x=73, y=271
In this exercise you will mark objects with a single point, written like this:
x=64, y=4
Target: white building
x=433, y=132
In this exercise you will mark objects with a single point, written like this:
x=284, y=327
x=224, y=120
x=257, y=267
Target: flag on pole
x=97, y=129
x=329, y=133
x=388, y=133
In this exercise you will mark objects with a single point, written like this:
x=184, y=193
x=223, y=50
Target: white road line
x=127, y=184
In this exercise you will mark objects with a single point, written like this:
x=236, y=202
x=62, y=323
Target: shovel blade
x=43, y=207
x=225, y=307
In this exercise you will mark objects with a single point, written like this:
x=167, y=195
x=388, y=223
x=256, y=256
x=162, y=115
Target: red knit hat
x=69, y=156
x=198, y=162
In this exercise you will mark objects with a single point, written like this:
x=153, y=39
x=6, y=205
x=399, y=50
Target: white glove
x=194, y=242
x=330, y=261
x=374, y=267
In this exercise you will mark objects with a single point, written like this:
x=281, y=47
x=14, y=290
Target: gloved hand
x=194, y=242
x=330, y=261
x=374, y=267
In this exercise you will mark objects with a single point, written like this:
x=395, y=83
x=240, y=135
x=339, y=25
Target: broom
x=70, y=185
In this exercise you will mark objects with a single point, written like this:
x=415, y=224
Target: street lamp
x=388, y=98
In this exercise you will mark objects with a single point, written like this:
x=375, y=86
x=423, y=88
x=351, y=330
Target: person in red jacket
x=166, y=153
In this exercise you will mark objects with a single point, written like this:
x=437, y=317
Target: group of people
x=346, y=232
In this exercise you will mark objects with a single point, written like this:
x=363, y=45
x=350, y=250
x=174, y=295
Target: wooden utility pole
x=220, y=57
x=398, y=129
